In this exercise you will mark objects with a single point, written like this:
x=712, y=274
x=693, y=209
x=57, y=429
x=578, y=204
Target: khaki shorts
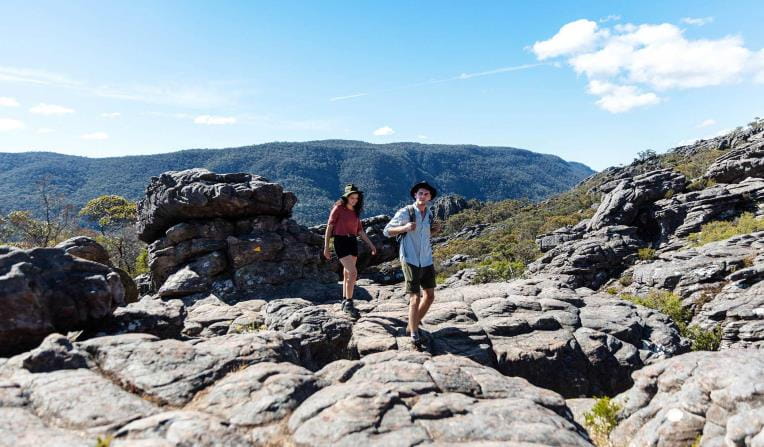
x=418, y=278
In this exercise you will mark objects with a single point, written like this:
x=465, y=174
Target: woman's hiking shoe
x=349, y=308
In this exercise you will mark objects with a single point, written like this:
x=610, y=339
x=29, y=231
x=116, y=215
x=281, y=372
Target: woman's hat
x=423, y=184
x=351, y=189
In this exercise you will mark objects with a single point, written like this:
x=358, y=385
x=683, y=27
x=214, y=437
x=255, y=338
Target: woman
x=344, y=226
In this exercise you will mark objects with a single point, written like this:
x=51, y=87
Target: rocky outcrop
x=683, y=214
x=226, y=233
x=622, y=205
x=592, y=260
x=45, y=290
x=708, y=398
x=180, y=396
x=87, y=248
x=181, y=196
x=570, y=340
x=745, y=160
x=446, y=206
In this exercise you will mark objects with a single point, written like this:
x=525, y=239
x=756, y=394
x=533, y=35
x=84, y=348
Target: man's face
x=423, y=195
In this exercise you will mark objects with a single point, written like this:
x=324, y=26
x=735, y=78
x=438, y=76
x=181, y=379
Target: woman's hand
x=327, y=253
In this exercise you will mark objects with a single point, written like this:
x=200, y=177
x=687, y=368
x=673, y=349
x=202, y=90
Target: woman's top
x=344, y=222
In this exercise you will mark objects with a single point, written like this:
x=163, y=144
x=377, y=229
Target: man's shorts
x=418, y=278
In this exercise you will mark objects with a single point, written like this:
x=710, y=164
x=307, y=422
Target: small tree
x=56, y=222
x=114, y=216
x=645, y=155
x=109, y=213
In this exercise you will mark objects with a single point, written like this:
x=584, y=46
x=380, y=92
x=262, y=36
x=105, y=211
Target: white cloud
x=610, y=18
x=34, y=76
x=637, y=58
x=111, y=115
x=422, y=137
x=621, y=98
x=383, y=131
x=214, y=120
x=8, y=102
x=95, y=136
x=8, y=124
x=44, y=130
x=697, y=21
x=50, y=109
x=706, y=123
x=342, y=98
x=573, y=37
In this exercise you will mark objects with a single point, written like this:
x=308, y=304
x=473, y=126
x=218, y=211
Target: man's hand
x=327, y=253
x=373, y=249
x=411, y=226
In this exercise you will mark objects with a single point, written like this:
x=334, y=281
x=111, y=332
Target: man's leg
x=424, y=305
x=414, y=303
x=428, y=284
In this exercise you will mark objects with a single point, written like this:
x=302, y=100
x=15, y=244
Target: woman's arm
x=327, y=238
x=366, y=239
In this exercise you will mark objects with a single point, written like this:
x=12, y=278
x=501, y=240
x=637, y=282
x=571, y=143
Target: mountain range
x=315, y=170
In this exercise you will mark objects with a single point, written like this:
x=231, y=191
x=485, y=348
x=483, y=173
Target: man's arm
x=397, y=224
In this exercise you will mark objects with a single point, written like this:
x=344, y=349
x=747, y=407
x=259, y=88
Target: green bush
x=703, y=340
x=495, y=271
x=601, y=420
x=719, y=230
x=626, y=279
x=142, y=262
x=646, y=253
x=700, y=183
x=665, y=302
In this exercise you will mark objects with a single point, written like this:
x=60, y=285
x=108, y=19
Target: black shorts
x=345, y=245
x=418, y=278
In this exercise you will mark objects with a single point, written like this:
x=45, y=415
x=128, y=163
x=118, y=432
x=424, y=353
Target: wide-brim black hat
x=415, y=188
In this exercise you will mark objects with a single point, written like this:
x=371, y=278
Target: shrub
x=665, y=302
x=719, y=230
x=495, y=271
x=703, y=340
x=612, y=291
x=626, y=279
x=700, y=183
x=104, y=442
x=601, y=420
x=646, y=253
x=669, y=194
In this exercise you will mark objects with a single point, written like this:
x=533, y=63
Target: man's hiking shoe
x=349, y=308
x=416, y=339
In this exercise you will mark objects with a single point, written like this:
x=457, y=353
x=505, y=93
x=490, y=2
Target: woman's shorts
x=345, y=245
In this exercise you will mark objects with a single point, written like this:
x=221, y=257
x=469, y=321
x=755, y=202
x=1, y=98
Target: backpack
x=412, y=218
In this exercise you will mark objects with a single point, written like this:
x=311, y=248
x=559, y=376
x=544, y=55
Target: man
x=415, y=224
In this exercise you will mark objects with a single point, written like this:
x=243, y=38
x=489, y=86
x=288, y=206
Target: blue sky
x=594, y=82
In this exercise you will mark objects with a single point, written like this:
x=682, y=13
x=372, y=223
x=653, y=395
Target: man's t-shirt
x=344, y=222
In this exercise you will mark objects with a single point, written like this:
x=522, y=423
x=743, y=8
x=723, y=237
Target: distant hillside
x=314, y=170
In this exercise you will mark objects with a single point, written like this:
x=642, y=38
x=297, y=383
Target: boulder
x=46, y=290
x=745, y=160
x=180, y=196
x=711, y=397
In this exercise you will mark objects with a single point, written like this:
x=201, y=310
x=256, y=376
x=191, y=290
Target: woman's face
x=353, y=199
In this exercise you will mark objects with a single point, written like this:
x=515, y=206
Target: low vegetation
x=746, y=223
x=601, y=420
x=670, y=304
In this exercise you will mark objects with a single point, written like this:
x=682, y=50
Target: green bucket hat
x=351, y=189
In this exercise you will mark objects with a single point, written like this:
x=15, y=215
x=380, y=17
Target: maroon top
x=344, y=222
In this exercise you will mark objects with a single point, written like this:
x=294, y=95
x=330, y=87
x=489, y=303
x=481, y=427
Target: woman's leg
x=348, y=263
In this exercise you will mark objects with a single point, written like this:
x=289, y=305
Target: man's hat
x=351, y=189
x=423, y=184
